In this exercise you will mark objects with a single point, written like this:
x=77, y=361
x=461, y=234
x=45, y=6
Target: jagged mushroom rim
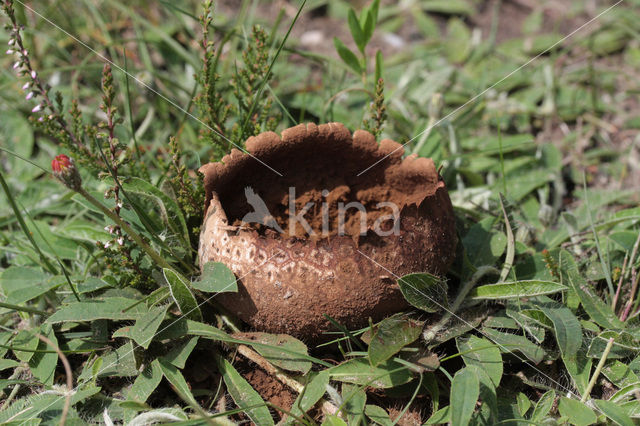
x=405, y=182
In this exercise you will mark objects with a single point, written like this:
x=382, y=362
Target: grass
x=99, y=286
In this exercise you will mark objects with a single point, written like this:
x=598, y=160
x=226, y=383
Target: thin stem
x=596, y=373
x=124, y=225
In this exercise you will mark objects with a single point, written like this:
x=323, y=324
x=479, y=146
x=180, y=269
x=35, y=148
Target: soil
x=270, y=389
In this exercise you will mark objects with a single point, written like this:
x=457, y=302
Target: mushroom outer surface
x=288, y=284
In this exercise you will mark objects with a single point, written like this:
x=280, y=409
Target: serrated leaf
x=216, y=278
x=424, y=291
x=243, y=394
x=484, y=354
x=271, y=346
x=147, y=325
x=576, y=412
x=465, y=390
x=391, y=335
x=517, y=289
x=181, y=294
x=347, y=56
x=360, y=372
x=113, y=308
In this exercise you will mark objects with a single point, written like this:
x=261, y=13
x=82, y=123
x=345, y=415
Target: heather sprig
x=377, y=114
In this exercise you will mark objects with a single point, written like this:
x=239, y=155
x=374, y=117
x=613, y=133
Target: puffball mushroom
x=302, y=256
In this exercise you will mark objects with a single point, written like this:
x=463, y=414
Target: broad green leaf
x=524, y=403
x=508, y=342
x=458, y=41
x=484, y=354
x=147, y=325
x=146, y=382
x=579, y=368
x=378, y=415
x=619, y=373
x=391, y=335
x=181, y=294
x=443, y=415
x=356, y=31
x=19, y=278
x=313, y=391
x=424, y=291
x=448, y=7
x=488, y=393
x=542, y=407
x=484, y=245
x=175, y=377
x=354, y=398
x=178, y=355
x=515, y=289
x=25, y=339
x=624, y=392
x=614, y=412
x=567, y=328
x=112, y=308
x=271, y=346
x=465, y=389
x=8, y=363
x=118, y=363
x=598, y=311
x=43, y=364
x=347, y=56
x=624, y=345
x=243, y=394
x=216, y=278
x=360, y=372
x=333, y=420
x=576, y=412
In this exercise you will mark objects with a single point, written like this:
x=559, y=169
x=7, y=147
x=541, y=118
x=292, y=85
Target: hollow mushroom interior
x=321, y=172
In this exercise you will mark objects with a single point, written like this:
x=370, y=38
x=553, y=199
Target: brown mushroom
x=343, y=265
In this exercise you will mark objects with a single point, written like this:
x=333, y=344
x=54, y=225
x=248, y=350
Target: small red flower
x=65, y=170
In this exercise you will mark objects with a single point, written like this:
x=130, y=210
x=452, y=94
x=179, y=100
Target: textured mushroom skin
x=286, y=285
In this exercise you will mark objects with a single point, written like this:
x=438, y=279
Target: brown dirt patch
x=270, y=390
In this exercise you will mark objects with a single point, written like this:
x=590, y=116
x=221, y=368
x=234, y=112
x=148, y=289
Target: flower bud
x=65, y=170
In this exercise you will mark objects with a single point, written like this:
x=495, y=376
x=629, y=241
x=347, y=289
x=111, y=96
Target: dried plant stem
x=250, y=354
x=596, y=373
x=68, y=373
